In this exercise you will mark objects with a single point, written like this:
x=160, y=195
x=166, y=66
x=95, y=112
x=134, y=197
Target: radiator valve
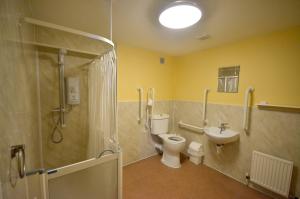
x=247, y=178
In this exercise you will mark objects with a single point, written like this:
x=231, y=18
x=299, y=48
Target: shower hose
x=56, y=134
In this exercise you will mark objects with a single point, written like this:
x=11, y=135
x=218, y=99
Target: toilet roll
x=195, y=146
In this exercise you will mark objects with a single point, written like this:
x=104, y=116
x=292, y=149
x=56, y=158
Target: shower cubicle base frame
x=69, y=169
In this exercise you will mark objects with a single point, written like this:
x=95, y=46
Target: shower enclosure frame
x=61, y=50
x=70, y=169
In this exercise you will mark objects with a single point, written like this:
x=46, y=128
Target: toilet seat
x=172, y=138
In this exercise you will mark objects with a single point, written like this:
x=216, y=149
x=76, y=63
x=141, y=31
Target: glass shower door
x=18, y=103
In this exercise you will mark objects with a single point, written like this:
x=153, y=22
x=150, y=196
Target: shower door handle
x=18, y=152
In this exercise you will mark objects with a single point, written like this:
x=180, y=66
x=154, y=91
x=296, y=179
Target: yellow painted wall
x=269, y=63
x=141, y=68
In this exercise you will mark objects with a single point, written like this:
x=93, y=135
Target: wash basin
x=221, y=137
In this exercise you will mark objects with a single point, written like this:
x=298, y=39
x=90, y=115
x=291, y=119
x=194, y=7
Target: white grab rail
x=247, y=108
x=149, y=107
x=204, y=106
x=196, y=129
x=140, y=113
x=65, y=170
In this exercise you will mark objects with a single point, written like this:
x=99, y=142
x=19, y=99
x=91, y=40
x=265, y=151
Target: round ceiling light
x=180, y=15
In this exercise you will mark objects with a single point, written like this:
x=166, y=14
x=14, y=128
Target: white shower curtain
x=102, y=105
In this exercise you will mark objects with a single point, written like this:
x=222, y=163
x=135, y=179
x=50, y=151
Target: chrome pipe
x=61, y=72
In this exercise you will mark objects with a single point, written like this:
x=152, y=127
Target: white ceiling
x=135, y=22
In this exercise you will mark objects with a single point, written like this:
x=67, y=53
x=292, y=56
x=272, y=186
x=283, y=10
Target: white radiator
x=271, y=172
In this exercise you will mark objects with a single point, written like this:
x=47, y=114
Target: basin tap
x=222, y=127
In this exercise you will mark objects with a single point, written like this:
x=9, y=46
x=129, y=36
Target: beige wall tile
x=272, y=132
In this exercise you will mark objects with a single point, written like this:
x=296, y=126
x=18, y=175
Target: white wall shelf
x=278, y=107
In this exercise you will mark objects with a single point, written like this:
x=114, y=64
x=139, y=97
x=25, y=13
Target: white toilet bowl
x=172, y=146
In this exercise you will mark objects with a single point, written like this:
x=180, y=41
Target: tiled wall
x=135, y=140
x=73, y=148
x=18, y=96
x=272, y=132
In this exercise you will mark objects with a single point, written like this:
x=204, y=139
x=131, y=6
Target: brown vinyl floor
x=150, y=179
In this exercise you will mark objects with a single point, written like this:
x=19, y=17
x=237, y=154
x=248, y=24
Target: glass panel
x=70, y=143
x=19, y=99
x=30, y=98
x=60, y=12
x=232, y=84
x=228, y=79
x=221, y=84
x=100, y=181
x=229, y=71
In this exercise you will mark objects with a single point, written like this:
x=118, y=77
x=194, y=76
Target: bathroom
x=94, y=90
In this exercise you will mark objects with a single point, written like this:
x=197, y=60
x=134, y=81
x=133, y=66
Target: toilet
x=172, y=144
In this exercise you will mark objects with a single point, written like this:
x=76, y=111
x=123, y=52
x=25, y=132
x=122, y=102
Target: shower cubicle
x=73, y=150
